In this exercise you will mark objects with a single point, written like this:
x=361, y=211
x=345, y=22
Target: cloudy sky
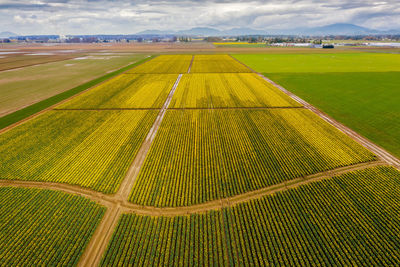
x=126, y=17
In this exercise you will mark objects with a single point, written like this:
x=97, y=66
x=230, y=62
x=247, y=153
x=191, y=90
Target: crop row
x=228, y=90
x=203, y=155
x=165, y=64
x=216, y=63
x=44, y=228
x=349, y=220
x=93, y=149
x=126, y=91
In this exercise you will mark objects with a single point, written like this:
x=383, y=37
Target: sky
x=128, y=17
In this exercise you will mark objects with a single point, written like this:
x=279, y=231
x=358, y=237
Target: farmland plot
x=44, y=228
x=213, y=90
x=165, y=64
x=216, y=63
x=203, y=155
x=350, y=219
x=92, y=149
x=126, y=91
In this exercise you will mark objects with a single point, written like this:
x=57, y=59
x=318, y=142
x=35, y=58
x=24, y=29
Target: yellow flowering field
x=212, y=90
x=126, y=91
x=216, y=63
x=93, y=149
x=203, y=155
x=165, y=64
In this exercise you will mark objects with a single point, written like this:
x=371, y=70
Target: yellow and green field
x=351, y=219
x=44, y=227
x=194, y=160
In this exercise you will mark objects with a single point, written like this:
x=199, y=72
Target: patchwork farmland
x=194, y=160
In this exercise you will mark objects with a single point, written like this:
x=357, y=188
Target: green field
x=22, y=87
x=93, y=149
x=337, y=62
x=44, y=228
x=203, y=155
x=360, y=90
x=348, y=220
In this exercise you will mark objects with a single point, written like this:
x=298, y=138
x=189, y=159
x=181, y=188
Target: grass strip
x=24, y=113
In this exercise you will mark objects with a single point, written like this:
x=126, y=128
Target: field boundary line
x=377, y=150
x=236, y=108
x=99, y=109
x=22, y=121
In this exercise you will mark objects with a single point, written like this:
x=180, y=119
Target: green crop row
x=348, y=220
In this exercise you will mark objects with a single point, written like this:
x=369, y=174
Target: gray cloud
x=124, y=16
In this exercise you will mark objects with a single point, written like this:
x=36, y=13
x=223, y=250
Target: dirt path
x=116, y=205
x=114, y=201
x=127, y=184
x=379, y=151
x=101, y=237
x=191, y=63
x=99, y=241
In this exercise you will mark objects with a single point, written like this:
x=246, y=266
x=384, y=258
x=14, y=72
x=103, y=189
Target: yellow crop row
x=203, y=155
x=228, y=90
x=127, y=91
x=165, y=64
x=93, y=149
x=216, y=63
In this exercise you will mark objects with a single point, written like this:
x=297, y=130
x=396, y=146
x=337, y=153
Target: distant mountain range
x=7, y=34
x=332, y=29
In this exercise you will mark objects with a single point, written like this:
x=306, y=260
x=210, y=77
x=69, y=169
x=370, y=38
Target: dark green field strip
x=39, y=106
x=44, y=228
x=203, y=155
x=366, y=102
x=348, y=220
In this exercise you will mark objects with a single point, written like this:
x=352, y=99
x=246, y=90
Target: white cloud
x=123, y=16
